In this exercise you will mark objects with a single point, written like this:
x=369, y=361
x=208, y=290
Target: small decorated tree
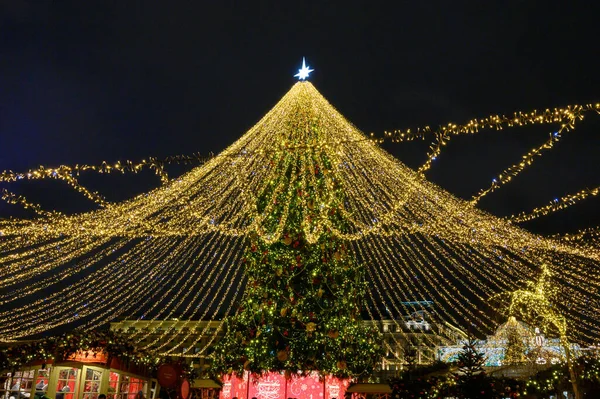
x=409, y=355
x=515, y=349
x=471, y=381
x=470, y=360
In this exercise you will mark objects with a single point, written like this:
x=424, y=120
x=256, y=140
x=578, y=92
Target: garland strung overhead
x=177, y=250
x=16, y=355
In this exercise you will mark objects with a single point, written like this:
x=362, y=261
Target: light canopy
x=176, y=251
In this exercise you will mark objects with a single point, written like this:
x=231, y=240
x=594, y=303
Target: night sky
x=84, y=81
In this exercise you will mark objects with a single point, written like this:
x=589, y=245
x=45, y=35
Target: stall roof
x=208, y=383
x=370, y=388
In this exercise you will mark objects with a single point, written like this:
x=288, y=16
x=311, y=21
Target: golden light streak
x=176, y=248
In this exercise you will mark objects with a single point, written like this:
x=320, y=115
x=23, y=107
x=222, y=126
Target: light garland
x=511, y=172
x=67, y=173
x=537, y=304
x=591, y=232
x=12, y=198
x=175, y=250
x=566, y=117
x=555, y=205
x=60, y=348
x=496, y=122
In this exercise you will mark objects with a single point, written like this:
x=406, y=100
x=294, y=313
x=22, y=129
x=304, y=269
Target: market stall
x=81, y=376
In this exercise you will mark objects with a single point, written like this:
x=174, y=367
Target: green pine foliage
x=304, y=295
x=15, y=356
x=471, y=381
x=470, y=360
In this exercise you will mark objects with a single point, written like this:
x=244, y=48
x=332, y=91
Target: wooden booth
x=81, y=376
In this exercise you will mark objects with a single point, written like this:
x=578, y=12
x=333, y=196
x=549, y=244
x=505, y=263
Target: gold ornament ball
x=282, y=356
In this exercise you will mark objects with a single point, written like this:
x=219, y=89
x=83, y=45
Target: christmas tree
x=515, y=350
x=471, y=380
x=302, y=306
x=470, y=360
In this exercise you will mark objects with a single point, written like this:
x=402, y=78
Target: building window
x=124, y=386
x=41, y=382
x=67, y=383
x=91, y=384
x=18, y=385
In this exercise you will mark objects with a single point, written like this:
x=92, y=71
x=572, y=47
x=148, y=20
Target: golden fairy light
x=537, y=304
x=175, y=251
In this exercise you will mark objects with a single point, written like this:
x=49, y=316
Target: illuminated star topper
x=304, y=71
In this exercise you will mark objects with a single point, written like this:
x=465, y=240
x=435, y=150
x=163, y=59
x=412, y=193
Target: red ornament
x=168, y=375
x=184, y=389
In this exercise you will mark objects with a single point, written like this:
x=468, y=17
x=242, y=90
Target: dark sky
x=86, y=81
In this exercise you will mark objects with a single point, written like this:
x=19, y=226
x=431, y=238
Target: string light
x=592, y=232
x=511, y=172
x=13, y=198
x=177, y=248
x=67, y=173
x=537, y=304
x=496, y=122
x=555, y=205
x=566, y=117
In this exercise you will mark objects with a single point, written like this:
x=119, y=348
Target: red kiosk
x=274, y=385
